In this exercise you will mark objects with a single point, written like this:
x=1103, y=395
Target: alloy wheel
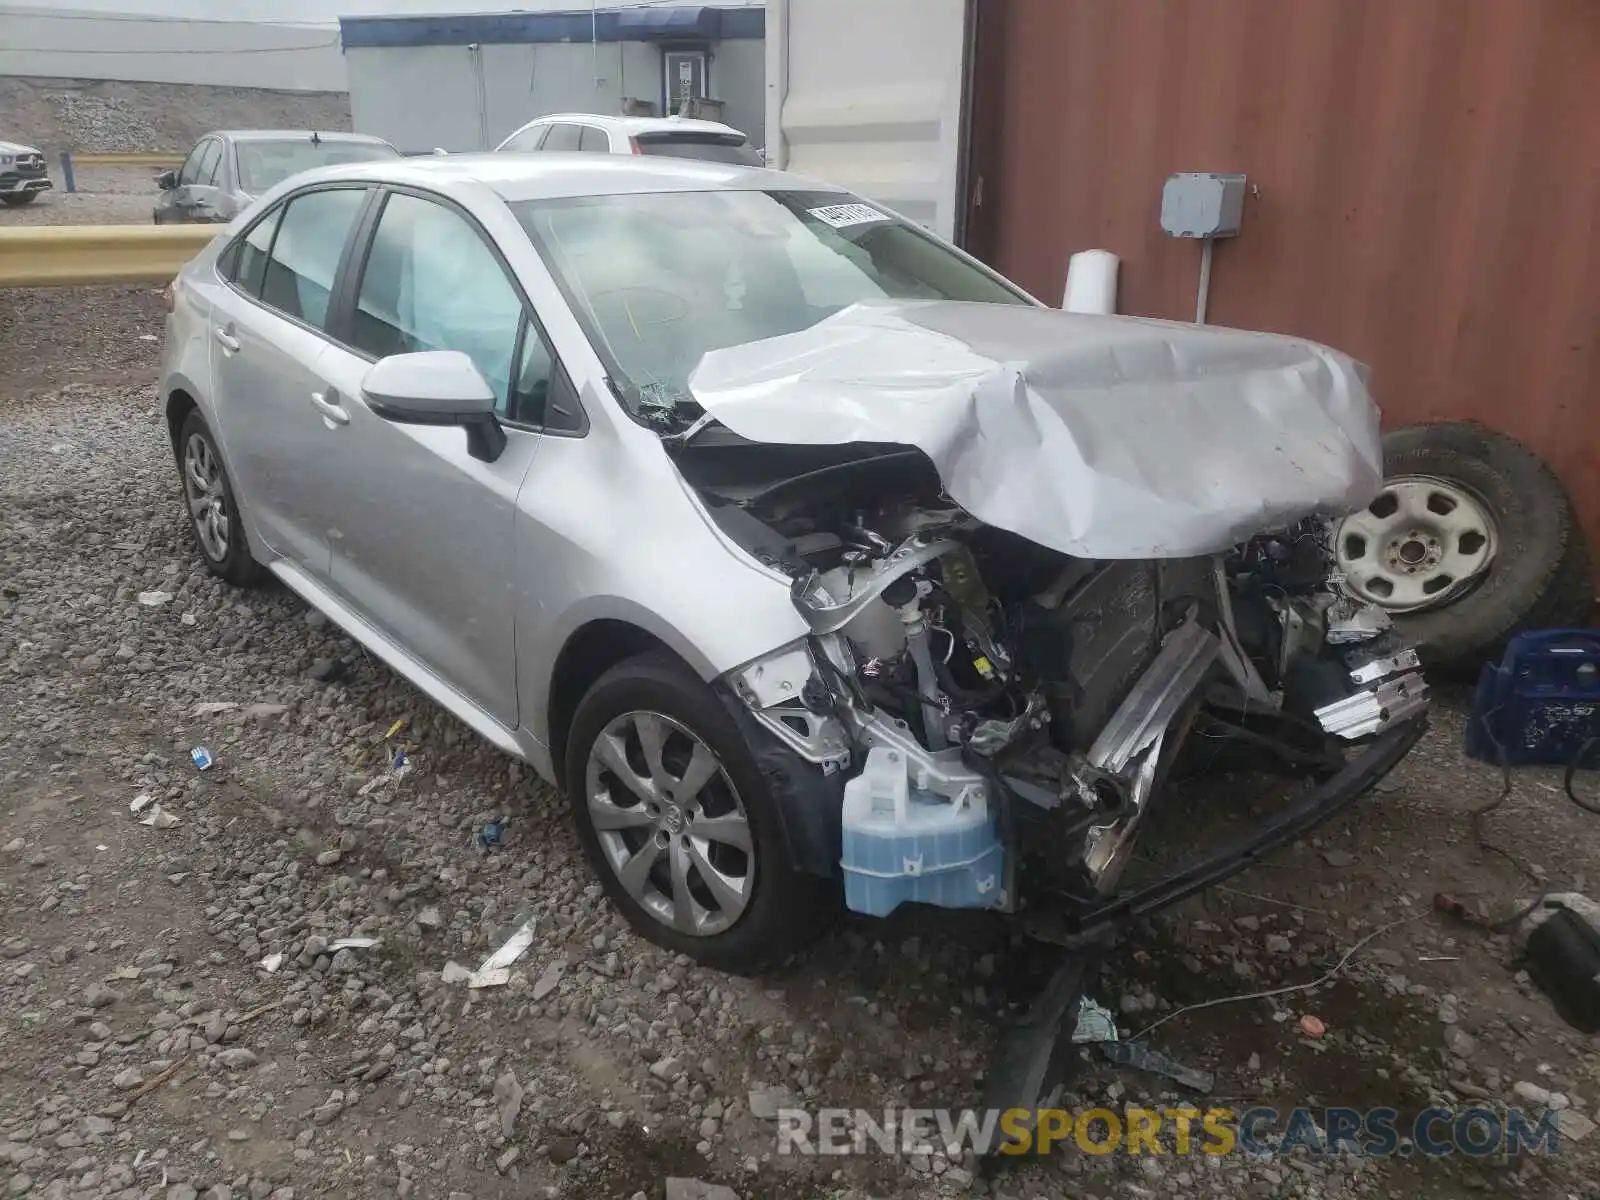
x=206, y=492
x=670, y=823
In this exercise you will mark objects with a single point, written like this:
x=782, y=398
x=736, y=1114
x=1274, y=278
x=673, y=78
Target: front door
x=423, y=544
x=268, y=352
x=196, y=199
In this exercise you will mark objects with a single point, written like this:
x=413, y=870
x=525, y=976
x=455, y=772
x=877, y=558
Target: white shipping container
x=869, y=95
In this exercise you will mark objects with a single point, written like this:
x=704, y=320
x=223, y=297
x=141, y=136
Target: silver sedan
x=806, y=554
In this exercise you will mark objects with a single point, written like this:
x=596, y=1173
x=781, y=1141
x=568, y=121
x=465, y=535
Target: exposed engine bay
x=1005, y=715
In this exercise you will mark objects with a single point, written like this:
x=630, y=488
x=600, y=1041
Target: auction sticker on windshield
x=842, y=216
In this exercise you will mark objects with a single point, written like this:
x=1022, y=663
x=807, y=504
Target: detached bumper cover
x=1084, y=927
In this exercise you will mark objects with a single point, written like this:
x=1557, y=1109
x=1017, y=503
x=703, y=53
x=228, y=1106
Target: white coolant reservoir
x=905, y=844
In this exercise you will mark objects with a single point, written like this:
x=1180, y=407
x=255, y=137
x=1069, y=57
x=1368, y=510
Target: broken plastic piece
x=202, y=758
x=496, y=969
x=454, y=972
x=395, y=728
x=1312, y=1026
x=352, y=943
x=1095, y=1023
x=490, y=835
x=158, y=818
x=141, y=802
x=154, y=599
x=1142, y=1057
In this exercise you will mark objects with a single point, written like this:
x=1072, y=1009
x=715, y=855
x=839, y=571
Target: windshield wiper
x=704, y=421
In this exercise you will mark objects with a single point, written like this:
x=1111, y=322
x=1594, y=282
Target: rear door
x=168, y=209
x=269, y=341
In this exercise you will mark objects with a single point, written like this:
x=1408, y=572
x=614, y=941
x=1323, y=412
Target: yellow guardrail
x=137, y=158
x=76, y=255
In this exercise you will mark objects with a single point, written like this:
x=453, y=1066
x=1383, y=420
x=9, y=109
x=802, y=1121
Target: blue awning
x=687, y=23
x=650, y=24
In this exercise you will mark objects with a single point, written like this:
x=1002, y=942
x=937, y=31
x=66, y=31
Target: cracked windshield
x=660, y=279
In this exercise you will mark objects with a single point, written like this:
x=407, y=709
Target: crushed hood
x=1100, y=437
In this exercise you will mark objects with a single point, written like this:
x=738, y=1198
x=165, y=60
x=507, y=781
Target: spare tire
x=1472, y=540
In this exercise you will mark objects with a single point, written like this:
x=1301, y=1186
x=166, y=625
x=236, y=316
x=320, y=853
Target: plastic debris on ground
x=140, y=802
x=272, y=962
x=158, y=818
x=1143, y=1058
x=1095, y=1023
x=495, y=970
x=352, y=943
x=202, y=758
x=1312, y=1026
x=210, y=708
x=154, y=599
x=489, y=836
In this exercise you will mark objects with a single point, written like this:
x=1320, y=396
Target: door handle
x=327, y=404
x=226, y=340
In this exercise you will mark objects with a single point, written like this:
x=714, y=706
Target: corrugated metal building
x=465, y=82
x=1424, y=184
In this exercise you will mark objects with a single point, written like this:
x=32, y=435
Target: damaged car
x=814, y=561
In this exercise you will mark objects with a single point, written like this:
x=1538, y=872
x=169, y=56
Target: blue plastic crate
x=1540, y=704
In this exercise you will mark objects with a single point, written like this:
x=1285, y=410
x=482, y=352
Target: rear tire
x=20, y=198
x=213, y=511
x=747, y=909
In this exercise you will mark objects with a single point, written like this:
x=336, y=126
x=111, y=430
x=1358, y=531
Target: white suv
x=677, y=137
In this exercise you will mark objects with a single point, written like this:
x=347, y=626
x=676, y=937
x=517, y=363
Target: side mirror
x=167, y=180
x=436, y=387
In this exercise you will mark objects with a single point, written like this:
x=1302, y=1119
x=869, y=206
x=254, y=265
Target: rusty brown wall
x=1428, y=175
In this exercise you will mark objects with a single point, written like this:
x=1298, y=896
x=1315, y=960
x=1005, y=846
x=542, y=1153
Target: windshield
x=711, y=147
x=264, y=164
x=658, y=280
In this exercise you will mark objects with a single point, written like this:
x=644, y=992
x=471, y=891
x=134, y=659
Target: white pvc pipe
x=1091, y=282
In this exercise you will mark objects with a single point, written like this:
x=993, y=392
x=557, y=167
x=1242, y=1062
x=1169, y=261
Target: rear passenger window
x=249, y=254
x=305, y=253
x=562, y=137
x=594, y=140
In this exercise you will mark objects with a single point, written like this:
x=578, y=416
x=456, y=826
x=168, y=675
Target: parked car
x=229, y=168
x=674, y=137
x=22, y=174
x=798, y=547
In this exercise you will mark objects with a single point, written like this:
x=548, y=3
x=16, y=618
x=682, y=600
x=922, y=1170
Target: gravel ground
x=145, y=1051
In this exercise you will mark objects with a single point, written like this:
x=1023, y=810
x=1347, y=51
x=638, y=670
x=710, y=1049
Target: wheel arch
x=588, y=653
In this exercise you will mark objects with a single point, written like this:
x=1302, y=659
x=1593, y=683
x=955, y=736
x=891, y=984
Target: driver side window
x=191, y=165
x=432, y=283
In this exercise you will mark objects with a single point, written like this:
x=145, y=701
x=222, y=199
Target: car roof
x=553, y=176
x=635, y=125
x=294, y=135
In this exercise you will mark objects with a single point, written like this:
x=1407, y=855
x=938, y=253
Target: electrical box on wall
x=1200, y=204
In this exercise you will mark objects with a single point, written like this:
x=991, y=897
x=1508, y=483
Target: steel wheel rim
x=1422, y=543
x=206, y=493
x=671, y=825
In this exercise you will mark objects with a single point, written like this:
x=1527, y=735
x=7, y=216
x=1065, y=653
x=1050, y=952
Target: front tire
x=18, y=199
x=213, y=511
x=680, y=824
